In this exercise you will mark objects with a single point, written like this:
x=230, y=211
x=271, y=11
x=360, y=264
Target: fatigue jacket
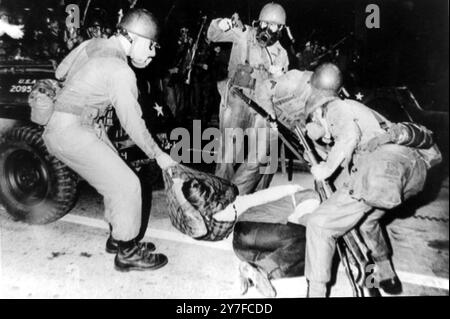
x=286, y=96
x=97, y=74
x=384, y=177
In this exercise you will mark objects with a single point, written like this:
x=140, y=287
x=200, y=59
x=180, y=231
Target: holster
x=88, y=114
x=243, y=77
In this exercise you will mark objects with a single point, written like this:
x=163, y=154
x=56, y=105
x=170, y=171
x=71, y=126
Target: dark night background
x=410, y=48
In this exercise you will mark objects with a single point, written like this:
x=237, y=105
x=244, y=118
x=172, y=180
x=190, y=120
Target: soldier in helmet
x=256, y=56
x=96, y=76
x=96, y=23
x=95, y=28
x=370, y=177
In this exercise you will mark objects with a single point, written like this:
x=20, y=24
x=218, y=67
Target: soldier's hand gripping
x=320, y=171
x=165, y=161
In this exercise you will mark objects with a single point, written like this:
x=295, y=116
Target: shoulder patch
x=273, y=84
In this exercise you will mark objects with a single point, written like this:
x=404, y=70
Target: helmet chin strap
x=126, y=35
x=140, y=65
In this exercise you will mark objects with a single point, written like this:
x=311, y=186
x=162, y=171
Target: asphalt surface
x=66, y=259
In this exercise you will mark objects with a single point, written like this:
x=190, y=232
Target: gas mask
x=267, y=34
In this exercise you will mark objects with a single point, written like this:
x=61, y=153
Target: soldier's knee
x=131, y=184
x=317, y=221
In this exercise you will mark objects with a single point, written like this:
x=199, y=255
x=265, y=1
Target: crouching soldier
x=374, y=174
x=96, y=76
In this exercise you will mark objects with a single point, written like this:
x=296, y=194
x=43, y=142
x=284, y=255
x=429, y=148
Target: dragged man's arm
x=265, y=196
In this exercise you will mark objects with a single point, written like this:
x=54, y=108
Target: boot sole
x=133, y=268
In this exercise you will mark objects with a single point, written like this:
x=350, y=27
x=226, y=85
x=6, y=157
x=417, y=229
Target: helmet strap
x=126, y=35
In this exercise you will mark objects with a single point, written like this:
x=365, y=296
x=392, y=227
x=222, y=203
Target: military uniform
x=97, y=76
x=264, y=63
x=369, y=183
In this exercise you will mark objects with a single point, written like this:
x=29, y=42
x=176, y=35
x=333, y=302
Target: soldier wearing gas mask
x=97, y=76
x=256, y=56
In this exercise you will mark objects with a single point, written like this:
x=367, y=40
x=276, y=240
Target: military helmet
x=273, y=13
x=140, y=22
x=325, y=84
x=327, y=77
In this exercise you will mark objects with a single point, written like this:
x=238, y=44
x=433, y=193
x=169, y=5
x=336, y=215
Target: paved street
x=66, y=259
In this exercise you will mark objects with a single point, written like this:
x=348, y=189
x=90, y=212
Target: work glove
x=320, y=171
x=164, y=161
x=225, y=24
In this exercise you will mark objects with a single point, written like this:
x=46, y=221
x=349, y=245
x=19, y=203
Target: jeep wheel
x=35, y=187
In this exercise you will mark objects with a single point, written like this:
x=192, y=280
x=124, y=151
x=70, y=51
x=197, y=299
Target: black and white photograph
x=228, y=150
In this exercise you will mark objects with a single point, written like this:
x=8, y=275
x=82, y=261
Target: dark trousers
x=277, y=248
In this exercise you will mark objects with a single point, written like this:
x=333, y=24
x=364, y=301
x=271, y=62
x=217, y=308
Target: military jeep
x=35, y=187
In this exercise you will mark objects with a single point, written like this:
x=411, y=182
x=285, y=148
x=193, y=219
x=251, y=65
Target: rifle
x=285, y=133
x=330, y=50
x=194, y=51
x=351, y=248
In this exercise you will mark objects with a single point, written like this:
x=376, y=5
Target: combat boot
x=386, y=277
x=132, y=256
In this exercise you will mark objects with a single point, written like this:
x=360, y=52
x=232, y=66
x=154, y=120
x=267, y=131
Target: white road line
x=156, y=233
x=423, y=280
x=406, y=277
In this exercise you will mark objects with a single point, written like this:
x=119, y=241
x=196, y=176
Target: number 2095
x=20, y=89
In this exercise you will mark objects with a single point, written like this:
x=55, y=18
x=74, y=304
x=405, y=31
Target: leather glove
x=376, y=142
x=164, y=161
x=320, y=171
x=225, y=24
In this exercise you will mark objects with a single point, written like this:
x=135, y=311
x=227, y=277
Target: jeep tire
x=35, y=187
